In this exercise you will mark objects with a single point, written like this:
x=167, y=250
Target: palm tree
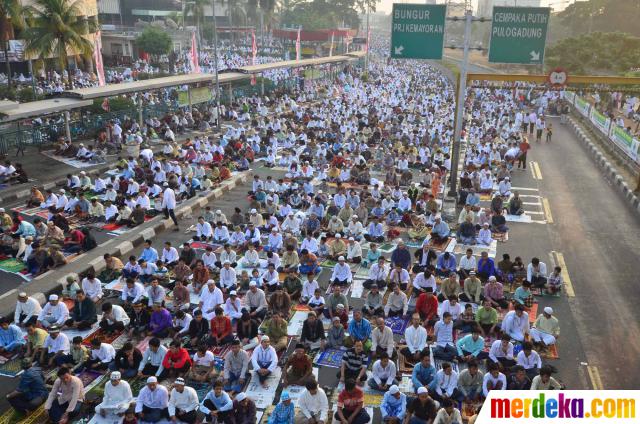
x=11, y=18
x=58, y=30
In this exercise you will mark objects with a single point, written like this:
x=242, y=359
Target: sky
x=385, y=5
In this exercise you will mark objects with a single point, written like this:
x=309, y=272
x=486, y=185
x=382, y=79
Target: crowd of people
x=355, y=194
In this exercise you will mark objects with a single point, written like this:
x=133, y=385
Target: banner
x=582, y=105
x=298, y=52
x=193, y=57
x=625, y=141
x=97, y=57
x=599, y=120
x=570, y=96
x=561, y=406
x=198, y=95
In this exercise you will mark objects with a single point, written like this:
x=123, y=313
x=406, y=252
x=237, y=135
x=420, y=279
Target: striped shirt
x=354, y=361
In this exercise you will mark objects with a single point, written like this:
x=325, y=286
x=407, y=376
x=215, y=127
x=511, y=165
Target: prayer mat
x=70, y=303
x=532, y=311
x=6, y=356
x=11, y=416
x=88, y=376
x=301, y=307
x=102, y=336
x=397, y=324
x=201, y=389
x=372, y=400
x=501, y=237
x=294, y=328
x=137, y=384
x=386, y=247
x=440, y=246
x=404, y=366
x=549, y=352
x=330, y=358
x=111, y=226
x=486, y=196
x=413, y=244
x=524, y=218
x=221, y=351
x=12, y=265
x=217, y=248
x=144, y=344
x=263, y=397
x=343, y=289
x=328, y=263
x=11, y=368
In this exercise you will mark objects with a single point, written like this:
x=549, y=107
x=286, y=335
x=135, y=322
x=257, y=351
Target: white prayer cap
x=53, y=297
x=492, y=278
x=339, y=306
x=241, y=396
x=62, y=191
x=115, y=375
x=422, y=390
x=338, y=236
x=233, y=293
x=438, y=216
x=548, y=310
x=264, y=338
x=210, y=282
x=22, y=295
x=486, y=224
x=341, y=258
x=218, y=211
x=351, y=239
x=394, y=389
x=180, y=381
x=254, y=211
x=354, y=217
x=274, y=230
x=152, y=379
x=252, y=284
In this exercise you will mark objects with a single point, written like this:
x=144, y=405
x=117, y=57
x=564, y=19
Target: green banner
x=417, y=31
x=582, y=105
x=518, y=35
x=198, y=95
x=599, y=120
x=621, y=137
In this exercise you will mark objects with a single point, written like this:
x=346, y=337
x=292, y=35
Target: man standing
x=169, y=204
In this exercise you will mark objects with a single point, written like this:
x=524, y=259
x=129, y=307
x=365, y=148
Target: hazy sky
x=386, y=5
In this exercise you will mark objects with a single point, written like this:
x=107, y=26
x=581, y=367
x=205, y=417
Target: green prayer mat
x=12, y=265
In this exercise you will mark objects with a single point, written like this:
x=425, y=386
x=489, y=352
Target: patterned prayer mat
x=88, y=377
x=102, y=336
x=144, y=344
x=12, y=417
x=11, y=368
x=12, y=265
x=550, y=352
x=330, y=358
x=397, y=324
x=201, y=389
x=137, y=384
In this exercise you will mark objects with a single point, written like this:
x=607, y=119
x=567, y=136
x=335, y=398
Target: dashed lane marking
x=594, y=376
x=559, y=260
x=538, y=171
x=547, y=210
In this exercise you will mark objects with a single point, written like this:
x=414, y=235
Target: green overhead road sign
x=417, y=31
x=518, y=35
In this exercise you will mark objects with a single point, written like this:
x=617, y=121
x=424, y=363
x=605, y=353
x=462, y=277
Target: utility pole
x=215, y=61
x=460, y=101
x=366, y=58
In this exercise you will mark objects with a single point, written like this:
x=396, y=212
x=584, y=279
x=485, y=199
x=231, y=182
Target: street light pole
x=460, y=101
x=366, y=58
x=215, y=61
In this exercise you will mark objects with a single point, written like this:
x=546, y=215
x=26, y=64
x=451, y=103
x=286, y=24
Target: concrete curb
x=610, y=172
x=51, y=282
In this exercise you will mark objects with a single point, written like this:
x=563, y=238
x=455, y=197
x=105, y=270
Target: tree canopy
x=595, y=53
x=154, y=41
x=600, y=16
x=322, y=14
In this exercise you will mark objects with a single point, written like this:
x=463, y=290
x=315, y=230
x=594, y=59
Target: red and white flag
x=97, y=56
x=195, y=63
x=331, y=46
x=254, y=52
x=298, y=52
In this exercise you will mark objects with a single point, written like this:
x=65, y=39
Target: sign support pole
x=462, y=89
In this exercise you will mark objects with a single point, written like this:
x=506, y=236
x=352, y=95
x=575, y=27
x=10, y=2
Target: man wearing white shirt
x=274, y=241
x=110, y=212
x=55, y=348
x=114, y=318
x=467, y=263
x=183, y=402
x=308, y=288
x=232, y=307
x=399, y=277
x=204, y=232
x=101, y=356
x=170, y=255
x=209, y=258
x=152, y=401
x=169, y=205
x=537, y=273
x=309, y=243
x=221, y=233
x=443, y=335
x=516, y=323
x=155, y=293
x=53, y=313
x=529, y=359
x=383, y=373
x=445, y=383
x=116, y=400
x=228, y=277
x=264, y=360
x=341, y=273
x=92, y=287
x=313, y=404
x=27, y=310
x=291, y=224
x=415, y=337
x=493, y=380
x=210, y=298
x=404, y=204
x=355, y=228
x=501, y=351
x=133, y=292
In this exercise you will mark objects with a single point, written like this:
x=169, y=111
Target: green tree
x=595, y=53
x=11, y=19
x=195, y=8
x=601, y=16
x=154, y=41
x=58, y=30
